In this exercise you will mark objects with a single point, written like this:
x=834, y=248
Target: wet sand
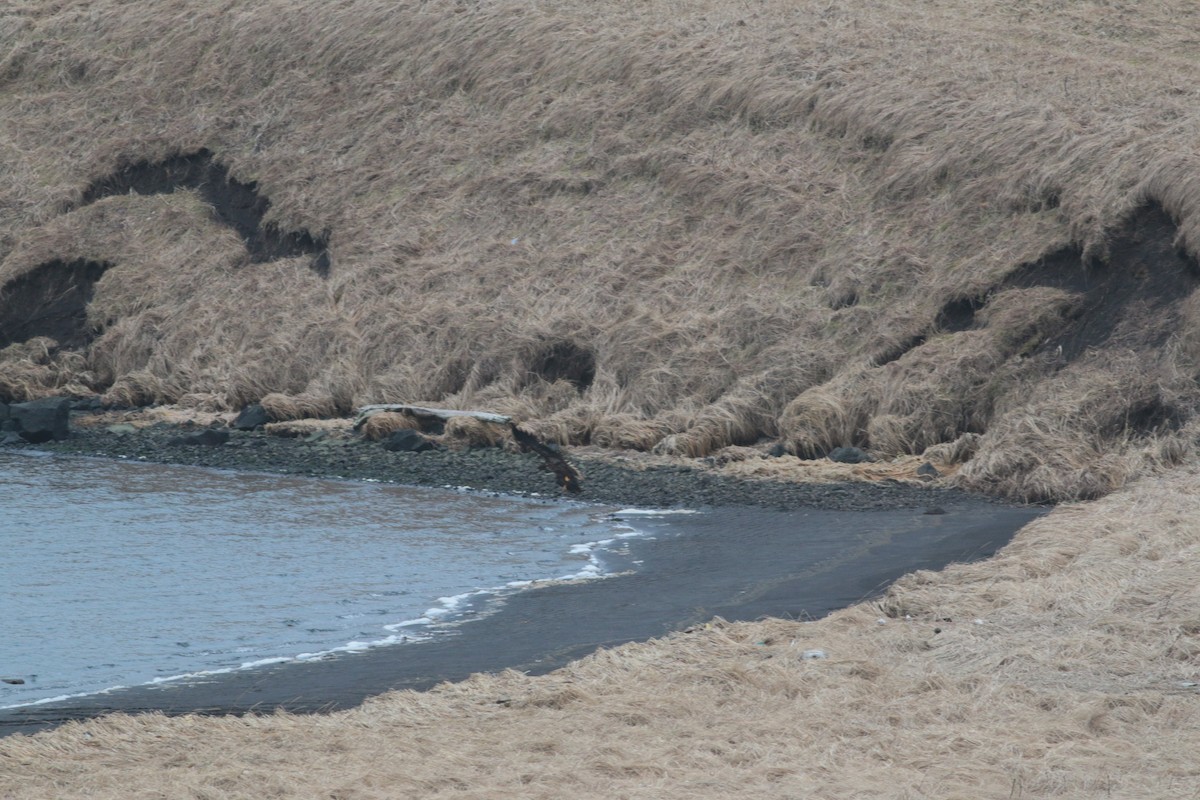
x=739, y=563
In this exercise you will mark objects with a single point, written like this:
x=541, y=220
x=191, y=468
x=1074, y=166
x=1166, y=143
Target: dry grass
x=678, y=227
x=673, y=225
x=1066, y=667
x=380, y=426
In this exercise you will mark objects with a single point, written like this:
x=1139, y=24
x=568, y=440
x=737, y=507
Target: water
x=120, y=574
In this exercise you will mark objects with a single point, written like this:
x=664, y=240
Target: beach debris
x=366, y=412
x=809, y=655
x=567, y=476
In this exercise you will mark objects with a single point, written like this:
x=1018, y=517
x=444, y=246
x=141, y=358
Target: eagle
x=566, y=475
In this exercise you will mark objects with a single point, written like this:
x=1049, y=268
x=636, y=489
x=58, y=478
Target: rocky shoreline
x=489, y=469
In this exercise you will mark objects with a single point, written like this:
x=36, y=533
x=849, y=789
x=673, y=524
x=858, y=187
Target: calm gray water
x=121, y=574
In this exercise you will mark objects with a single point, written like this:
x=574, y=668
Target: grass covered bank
x=670, y=226
x=674, y=226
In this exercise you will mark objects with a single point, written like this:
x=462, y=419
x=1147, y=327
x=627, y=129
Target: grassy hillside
x=664, y=225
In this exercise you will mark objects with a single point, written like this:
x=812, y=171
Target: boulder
x=928, y=472
x=252, y=416
x=777, y=450
x=407, y=441
x=848, y=455
x=42, y=420
x=92, y=403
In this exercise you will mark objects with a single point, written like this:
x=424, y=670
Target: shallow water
x=120, y=574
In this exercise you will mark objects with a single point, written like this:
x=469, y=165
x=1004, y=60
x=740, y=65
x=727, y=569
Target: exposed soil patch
x=958, y=315
x=50, y=300
x=1131, y=300
x=236, y=204
x=564, y=360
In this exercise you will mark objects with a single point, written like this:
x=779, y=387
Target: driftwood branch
x=366, y=412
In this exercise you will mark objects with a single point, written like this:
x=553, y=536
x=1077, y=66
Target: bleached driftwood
x=366, y=412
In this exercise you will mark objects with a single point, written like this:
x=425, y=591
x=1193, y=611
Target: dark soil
x=236, y=204
x=1129, y=300
x=494, y=470
x=50, y=300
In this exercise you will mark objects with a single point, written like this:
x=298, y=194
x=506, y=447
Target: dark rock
x=205, y=438
x=13, y=681
x=407, y=441
x=3, y=412
x=252, y=416
x=928, y=472
x=42, y=420
x=934, y=510
x=10, y=425
x=777, y=450
x=848, y=455
x=92, y=403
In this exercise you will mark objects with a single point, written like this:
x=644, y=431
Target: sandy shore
x=734, y=563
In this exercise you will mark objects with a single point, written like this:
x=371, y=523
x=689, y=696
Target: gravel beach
x=489, y=469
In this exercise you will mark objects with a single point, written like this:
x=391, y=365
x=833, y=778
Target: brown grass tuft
x=284, y=407
x=382, y=425
x=472, y=432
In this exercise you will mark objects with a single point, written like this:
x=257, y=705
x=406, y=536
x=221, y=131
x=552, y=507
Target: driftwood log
x=567, y=476
x=366, y=412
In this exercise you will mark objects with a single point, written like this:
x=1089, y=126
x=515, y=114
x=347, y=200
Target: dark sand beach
x=757, y=549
